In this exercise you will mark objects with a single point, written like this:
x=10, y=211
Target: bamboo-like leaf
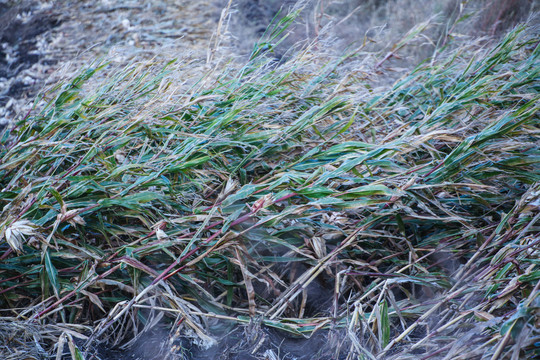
x=52, y=273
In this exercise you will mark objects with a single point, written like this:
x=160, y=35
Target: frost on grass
x=292, y=198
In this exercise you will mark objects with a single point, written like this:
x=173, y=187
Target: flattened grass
x=292, y=196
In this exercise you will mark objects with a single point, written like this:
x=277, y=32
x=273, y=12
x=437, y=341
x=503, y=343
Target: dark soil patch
x=21, y=26
x=240, y=343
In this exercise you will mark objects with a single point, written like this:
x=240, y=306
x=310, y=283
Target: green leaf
x=367, y=190
x=242, y=194
x=385, y=323
x=52, y=273
x=532, y=277
x=56, y=195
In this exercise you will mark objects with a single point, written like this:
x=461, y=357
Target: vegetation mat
x=295, y=199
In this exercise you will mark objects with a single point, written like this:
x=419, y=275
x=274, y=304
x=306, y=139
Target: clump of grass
x=412, y=211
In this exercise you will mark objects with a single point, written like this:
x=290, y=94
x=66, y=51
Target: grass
x=403, y=222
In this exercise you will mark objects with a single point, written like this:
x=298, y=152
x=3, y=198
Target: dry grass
x=402, y=223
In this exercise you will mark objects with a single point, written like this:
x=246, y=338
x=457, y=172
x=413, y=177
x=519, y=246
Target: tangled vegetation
x=401, y=223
